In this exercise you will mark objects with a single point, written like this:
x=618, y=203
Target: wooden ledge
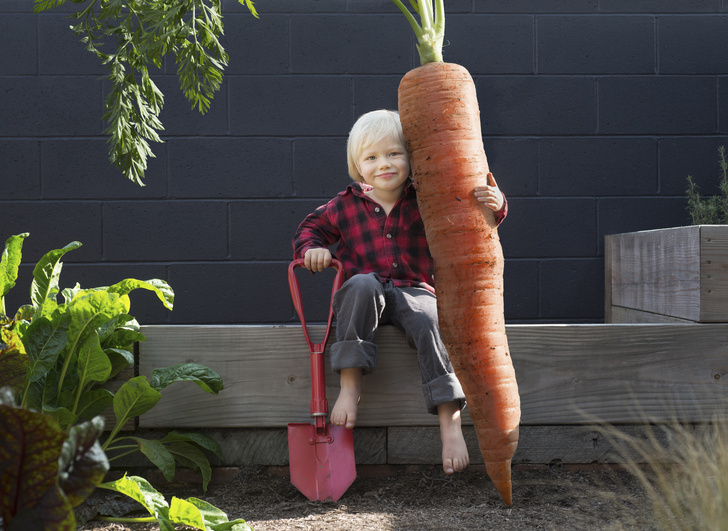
x=567, y=374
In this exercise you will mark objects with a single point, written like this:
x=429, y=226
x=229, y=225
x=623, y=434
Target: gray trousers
x=364, y=303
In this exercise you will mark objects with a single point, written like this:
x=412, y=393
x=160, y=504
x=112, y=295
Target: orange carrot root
x=439, y=112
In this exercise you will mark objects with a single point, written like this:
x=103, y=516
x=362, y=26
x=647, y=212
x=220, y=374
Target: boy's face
x=384, y=165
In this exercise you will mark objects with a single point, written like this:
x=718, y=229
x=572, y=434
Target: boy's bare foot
x=347, y=404
x=454, y=450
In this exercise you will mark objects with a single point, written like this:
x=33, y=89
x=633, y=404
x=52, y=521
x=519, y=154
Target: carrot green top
x=431, y=30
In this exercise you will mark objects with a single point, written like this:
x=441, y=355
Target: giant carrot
x=441, y=121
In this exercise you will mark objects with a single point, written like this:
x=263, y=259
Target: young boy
x=383, y=250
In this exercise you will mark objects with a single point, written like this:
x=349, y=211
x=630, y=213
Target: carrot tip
x=500, y=475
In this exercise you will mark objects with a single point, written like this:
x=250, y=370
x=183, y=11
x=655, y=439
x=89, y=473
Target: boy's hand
x=317, y=259
x=490, y=195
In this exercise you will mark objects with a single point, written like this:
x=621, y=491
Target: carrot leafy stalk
x=438, y=108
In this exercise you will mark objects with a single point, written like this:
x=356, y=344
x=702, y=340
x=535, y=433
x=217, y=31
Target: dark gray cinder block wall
x=594, y=112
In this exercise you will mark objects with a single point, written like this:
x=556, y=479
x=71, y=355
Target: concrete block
x=41, y=106
x=290, y=105
x=571, y=288
x=683, y=156
x=693, y=44
x=256, y=45
x=19, y=45
x=596, y=44
x=230, y=167
x=597, y=166
x=520, y=291
x=542, y=6
x=165, y=230
x=472, y=40
x=80, y=169
x=657, y=105
x=54, y=224
x=263, y=230
x=659, y=6
x=543, y=105
x=633, y=214
x=348, y=44
x=549, y=227
x=237, y=293
x=375, y=92
x=286, y=6
x=178, y=116
x=61, y=52
x=320, y=167
x=20, y=169
x=722, y=104
x=514, y=163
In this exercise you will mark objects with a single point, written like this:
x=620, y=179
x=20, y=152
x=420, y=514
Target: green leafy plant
x=712, y=210
x=142, y=32
x=191, y=512
x=56, y=356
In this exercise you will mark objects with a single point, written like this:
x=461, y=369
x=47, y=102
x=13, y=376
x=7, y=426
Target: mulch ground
x=422, y=498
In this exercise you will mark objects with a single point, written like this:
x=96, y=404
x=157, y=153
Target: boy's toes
x=448, y=467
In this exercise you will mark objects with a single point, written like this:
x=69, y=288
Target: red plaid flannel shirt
x=369, y=240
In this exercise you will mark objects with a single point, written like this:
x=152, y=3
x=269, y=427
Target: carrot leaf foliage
x=131, y=36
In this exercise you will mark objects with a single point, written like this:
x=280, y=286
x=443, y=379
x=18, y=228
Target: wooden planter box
x=667, y=275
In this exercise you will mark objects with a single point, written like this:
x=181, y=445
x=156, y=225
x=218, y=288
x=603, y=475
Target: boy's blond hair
x=369, y=129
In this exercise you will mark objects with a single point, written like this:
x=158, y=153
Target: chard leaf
x=158, y=454
x=140, y=490
x=70, y=293
x=14, y=362
x=207, y=379
x=83, y=464
x=29, y=451
x=160, y=287
x=183, y=512
x=213, y=518
x=120, y=359
x=200, y=439
x=134, y=398
x=44, y=340
x=190, y=456
x=9, y=263
x=94, y=402
x=93, y=364
x=46, y=274
x=123, y=338
x=89, y=310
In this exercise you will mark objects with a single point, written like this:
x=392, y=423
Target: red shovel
x=320, y=455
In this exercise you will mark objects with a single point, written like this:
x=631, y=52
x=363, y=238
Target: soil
x=422, y=498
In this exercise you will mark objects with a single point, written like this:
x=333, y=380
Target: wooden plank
x=621, y=315
x=657, y=271
x=536, y=444
x=566, y=374
x=609, y=243
x=714, y=273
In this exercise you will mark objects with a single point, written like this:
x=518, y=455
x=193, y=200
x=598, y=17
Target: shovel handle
x=298, y=303
x=319, y=405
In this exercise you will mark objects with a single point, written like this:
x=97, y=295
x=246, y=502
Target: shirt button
x=394, y=265
x=377, y=209
x=389, y=236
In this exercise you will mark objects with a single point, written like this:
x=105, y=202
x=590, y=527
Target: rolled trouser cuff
x=354, y=354
x=443, y=389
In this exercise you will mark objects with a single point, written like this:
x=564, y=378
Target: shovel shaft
x=319, y=405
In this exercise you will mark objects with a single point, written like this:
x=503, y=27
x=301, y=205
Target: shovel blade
x=321, y=463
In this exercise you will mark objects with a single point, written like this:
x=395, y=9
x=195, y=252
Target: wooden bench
x=569, y=377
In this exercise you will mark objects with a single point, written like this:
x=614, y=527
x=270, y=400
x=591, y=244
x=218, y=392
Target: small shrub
x=711, y=210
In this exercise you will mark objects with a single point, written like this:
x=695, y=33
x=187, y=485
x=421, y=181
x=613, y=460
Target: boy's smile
x=384, y=166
